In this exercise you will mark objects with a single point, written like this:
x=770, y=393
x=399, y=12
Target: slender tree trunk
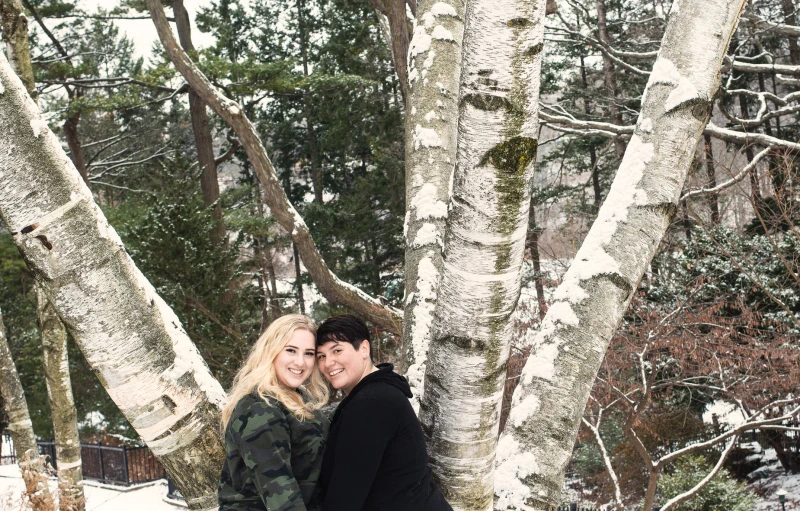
x=298, y=281
x=484, y=245
x=609, y=76
x=155, y=375
x=532, y=244
x=15, y=35
x=62, y=404
x=789, y=19
x=755, y=187
x=393, y=13
x=316, y=163
x=201, y=128
x=713, y=198
x=70, y=128
x=19, y=422
x=431, y=136
x=598, y=193
x=567, y=352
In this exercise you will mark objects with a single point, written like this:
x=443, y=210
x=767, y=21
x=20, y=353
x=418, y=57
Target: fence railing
x=121, y=465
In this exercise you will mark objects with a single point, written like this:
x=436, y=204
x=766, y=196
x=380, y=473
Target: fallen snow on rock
x=151, y=497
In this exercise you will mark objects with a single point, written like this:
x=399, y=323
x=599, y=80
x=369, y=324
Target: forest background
x=716, y=314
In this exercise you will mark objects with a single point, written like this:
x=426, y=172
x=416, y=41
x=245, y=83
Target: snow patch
x=442, y=34
x=430, y=116
x=443, y=9
x=676, y=7
x=426, y=137
x=427, y=205
x=511, y=468
x=420, y=43
x=2, y=89
x=646, y=125
x=665, y=72
x=234, y=110
x=428, y=234
x=523, y=410
x=38, y=126
x=422, y=313
x=726, y=413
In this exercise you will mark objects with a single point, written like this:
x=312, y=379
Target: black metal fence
x=121, y=465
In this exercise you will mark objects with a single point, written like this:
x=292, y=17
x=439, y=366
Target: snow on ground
x=151, y=497
x=770, y=478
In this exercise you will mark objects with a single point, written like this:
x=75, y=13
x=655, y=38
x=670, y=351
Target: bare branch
x=329, y=285
x=735, y=179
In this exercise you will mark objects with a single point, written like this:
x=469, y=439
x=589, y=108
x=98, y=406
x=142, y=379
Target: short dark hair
x=345, y=328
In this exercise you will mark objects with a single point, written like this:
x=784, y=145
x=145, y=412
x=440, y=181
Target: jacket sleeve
x=364, y=432
x=264, y=444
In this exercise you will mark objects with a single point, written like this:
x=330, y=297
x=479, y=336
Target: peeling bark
x=128, y=334
x=432, y=131
x=62, y=405
x=484, y=245
x=329, y=285
x=554, y=386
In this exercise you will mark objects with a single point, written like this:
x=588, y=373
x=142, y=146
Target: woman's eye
x=290, y=350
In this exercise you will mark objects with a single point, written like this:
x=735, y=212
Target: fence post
x=125, y=464
x=102, y=469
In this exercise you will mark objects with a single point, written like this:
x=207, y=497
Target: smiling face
x=295, y=362
x=342, y=365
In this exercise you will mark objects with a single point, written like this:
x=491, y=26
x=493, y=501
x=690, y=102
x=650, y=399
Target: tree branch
x=331, y=287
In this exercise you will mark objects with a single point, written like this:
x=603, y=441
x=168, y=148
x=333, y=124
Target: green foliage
x=722, y=493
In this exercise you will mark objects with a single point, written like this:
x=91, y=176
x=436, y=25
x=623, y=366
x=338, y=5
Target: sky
x=143, y=33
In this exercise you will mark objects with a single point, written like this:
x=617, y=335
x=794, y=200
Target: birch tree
x=129, y=336
x=20, y=425
x=431, y=120
x=549, y=401
x=484, y=245
x=62, y=406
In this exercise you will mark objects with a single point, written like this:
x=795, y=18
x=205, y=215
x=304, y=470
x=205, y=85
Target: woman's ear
x=364, y=348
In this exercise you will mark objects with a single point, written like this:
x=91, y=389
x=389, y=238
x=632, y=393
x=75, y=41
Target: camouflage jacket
x=273, y=460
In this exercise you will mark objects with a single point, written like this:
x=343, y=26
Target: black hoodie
x=375, y=457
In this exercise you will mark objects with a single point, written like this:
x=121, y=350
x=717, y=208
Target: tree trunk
x=316, y=163
x=19, y=421
x=789, y=19
x=62, y=405
x=553, y=390
x=288, y=218
x=298, y=281
x=532, y=244
x=202, y=132
x=70, y=128
x=713, y=198
x=755, y=186
x=395, y=15
x=598, y=193
x=128, y=334
x=484, y=245
x=609, y=77
x=15, y=35
x=431, y=136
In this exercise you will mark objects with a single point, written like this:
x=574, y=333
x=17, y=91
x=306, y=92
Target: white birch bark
x=62, y=405
x=14, y=402
x=548, y=403
x=20, y=426
x=130, y=337
x=434, y=63
x=484, y=245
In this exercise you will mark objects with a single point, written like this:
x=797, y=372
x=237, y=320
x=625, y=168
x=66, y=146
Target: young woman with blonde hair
x=274, y=431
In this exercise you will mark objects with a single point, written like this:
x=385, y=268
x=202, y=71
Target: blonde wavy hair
x=258, y=372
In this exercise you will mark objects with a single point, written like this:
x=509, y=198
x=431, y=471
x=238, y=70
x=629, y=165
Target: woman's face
x=295, y=362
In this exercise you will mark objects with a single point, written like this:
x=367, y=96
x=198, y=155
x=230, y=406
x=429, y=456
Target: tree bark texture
x=15, y=35
x=432, y=130
x=484, y=245
x=394, y=12
x=128, y=334
x=16, y=406
x=329, y=285
x=70, y=128
x=713, y=198
x=201, y=128
x=548, y=403
x=62, y=405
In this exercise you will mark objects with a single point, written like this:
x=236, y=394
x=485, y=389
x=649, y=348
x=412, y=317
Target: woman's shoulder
x=253, y=406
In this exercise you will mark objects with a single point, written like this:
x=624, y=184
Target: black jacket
x=375, y=458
